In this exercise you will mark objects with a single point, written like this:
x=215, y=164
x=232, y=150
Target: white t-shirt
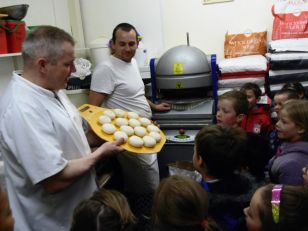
x=38, y=135
x=123, y=84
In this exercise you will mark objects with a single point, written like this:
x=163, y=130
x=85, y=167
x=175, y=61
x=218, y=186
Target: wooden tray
x=91, y=114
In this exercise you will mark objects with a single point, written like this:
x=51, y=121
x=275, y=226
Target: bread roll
x=140, y=131
x=132, y=115
x=110, y=114
x=145, y=121
x=156, y=136
x=127, y=129
x=119, y=134
x=149, y=141
x=133, y=122
x=109, y=128
x=135, y=141
x=104, y=119
x=119, y=113
x=153, y=128
x=120, y=122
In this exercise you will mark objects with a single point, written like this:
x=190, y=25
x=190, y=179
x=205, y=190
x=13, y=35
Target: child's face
x=252, y=99
x=253, y=222
x=278, y=101
x=287, y=129
x=226, y=115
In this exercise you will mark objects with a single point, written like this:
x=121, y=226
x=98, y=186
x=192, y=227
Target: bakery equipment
x=184, y=77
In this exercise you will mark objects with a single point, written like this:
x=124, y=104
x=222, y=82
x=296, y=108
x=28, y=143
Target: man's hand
x=110, y=148
x=162, y=107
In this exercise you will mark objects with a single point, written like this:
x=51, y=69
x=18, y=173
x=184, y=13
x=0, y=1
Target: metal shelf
x=9, y=55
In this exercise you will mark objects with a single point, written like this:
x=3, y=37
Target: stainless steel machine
x=184, y=77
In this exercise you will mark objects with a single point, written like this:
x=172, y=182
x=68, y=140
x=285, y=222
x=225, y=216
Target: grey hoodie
x=286, y=166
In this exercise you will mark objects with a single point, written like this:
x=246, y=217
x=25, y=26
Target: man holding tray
x=117, y=83
x=47, y=158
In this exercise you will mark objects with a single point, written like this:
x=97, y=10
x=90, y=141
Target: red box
x=16, y=34
x=3, y=41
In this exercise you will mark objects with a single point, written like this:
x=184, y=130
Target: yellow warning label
x=179, y=85
x=178, y=68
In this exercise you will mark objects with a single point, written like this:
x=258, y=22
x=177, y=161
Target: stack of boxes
x=12, y=34
x=288, y=50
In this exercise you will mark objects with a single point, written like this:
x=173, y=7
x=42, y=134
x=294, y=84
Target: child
x=279, y=208
x=258, y=120
x=292, y=155
x=105, y=210
x=217, y=155
x=6, y=219
x=298, y=87
x=231, y=108
x=280, y=98
x=181, y=204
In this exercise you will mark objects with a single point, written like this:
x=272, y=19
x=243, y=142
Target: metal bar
x=214, y=83
x=153, y=81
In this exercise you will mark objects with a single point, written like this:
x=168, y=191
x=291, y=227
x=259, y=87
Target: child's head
x=298, y=87
x=293, y=121
x=105, y=210
x=232, y=107
x=6, y=219
x=181, y=204
x=219, y=150
x=253, y=93
x=292, y=213
x=282, y=96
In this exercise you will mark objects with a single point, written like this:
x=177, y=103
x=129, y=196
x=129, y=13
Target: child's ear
x=300, y=131
x=239, y=118
x=199, y=161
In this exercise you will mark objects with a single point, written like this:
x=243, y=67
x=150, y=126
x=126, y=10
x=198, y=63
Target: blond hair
x=297, y=111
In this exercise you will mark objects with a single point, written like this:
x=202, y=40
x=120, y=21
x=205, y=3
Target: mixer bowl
x=15, y=12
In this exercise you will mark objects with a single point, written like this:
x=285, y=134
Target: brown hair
x=181, y=204
x=125, y=27
x=221, y=149
x=297, y=110
x=298, y=87
x=105, y=210
x=291, y=93
x=240, y=102
x=253, y=87
x=293, y=211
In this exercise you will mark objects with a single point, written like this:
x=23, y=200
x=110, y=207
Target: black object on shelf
x=15, y=12
x=75, y=83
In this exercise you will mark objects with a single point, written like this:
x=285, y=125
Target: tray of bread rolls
x=140, y=134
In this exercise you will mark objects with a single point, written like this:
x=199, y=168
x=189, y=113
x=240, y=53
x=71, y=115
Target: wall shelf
x=10, y=55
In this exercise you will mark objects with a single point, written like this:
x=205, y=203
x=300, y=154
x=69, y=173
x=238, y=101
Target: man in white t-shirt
x=117, y=83
x=47, y=158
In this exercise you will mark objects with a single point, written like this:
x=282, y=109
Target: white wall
x=207, y=24
x=40, y=12
x=164, y=23
x=101, y=16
